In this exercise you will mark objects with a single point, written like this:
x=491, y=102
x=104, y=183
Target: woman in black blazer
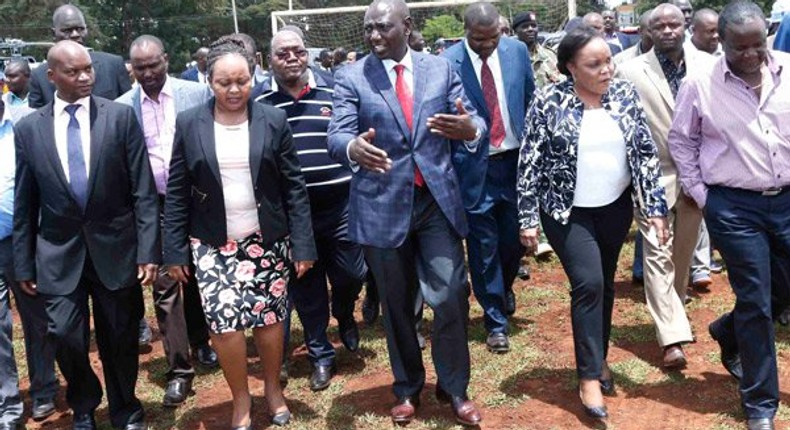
x=237, y=205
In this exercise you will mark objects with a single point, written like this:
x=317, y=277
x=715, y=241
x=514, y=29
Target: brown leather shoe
x=466, y=413
x=674, y=358
x=404, y=410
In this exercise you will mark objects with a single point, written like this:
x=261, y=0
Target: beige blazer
x=659, y=104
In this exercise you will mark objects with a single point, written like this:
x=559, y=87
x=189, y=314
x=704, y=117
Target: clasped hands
x=363, y=150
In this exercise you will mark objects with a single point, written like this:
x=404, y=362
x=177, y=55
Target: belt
x=773, y=192
x=770, y=192
x=502, y=155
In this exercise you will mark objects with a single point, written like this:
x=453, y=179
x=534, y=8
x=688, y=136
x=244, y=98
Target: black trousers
x=588, y=247
x=433, y=244
x=116, y=315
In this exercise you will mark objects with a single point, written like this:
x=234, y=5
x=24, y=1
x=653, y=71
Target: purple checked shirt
x=722, y=134
x=159, y=127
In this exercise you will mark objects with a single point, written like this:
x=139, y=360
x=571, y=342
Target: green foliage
x=442, y=26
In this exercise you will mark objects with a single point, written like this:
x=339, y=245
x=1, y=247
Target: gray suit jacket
x=646, y=74
x=187, y=95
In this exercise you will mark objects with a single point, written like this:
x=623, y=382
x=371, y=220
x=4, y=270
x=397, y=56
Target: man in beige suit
x=657, y=76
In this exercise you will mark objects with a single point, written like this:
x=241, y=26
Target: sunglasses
x=284, y=55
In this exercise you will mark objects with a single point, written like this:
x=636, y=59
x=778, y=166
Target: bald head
x=387, y=27
x=667, y=28
x=481, y=14
x=294, y=29
x=665, y=9
x=285, y=37
x=593, y=20
x=70, y=69
x=147, y=42
x=68, y=23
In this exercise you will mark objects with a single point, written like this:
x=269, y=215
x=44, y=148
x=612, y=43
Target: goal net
x=342, y=26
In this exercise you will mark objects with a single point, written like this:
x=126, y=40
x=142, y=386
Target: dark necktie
x=78, y=176
x=407, y=105
x=497, y=133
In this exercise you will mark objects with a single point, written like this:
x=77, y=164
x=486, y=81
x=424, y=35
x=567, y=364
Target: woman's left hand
x=661, y=227
x=302, y=267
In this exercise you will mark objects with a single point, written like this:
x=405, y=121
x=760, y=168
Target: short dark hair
x=738, y=12
x=21, y=62
x=572, y=43
x=227, y=46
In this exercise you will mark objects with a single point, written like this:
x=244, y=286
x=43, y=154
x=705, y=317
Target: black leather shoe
x=135, y=426
x=176, y=392
x=784, y=317
x=322, y=376
x=510, y=301
x=760, y=424
x=465, y=411
x=42, y=408
x=349, y=334
x=596, y=412
x=370, y=311
x=607, y=386
x=730, y=359
x=498, y=343
x=281, y=418
x=144, y=334
x=205, y=355
x=405, y=409
x=84, y=422
x=523, y=273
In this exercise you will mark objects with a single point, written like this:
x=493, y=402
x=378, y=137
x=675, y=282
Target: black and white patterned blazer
x=549, y=152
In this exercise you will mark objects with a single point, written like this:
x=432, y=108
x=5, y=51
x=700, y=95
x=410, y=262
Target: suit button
x=259, y=205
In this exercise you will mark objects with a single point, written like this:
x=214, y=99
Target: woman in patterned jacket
x=587, y=159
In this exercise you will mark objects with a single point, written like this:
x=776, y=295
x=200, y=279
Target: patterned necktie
x=407, y=105
x=78, y=175
x=497, y=133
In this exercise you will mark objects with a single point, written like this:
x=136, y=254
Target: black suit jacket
x=120, y=225
x=112, y=80
x=195, y=204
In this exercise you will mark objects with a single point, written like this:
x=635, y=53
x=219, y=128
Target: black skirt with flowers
x=242, y=284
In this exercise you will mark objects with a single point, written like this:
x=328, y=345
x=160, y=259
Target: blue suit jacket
x=519, y=85
x=190, y=74
x=380, y=205
x=187, y=94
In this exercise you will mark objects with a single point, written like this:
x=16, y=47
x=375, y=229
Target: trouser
x=752, y=233
x=343, y=262
x=665, y=269
x=11, y=407
x=638, y=268
x=116, y=315
x=493, y=242
x=588, y=247
x=433, y=243
x=700, y=264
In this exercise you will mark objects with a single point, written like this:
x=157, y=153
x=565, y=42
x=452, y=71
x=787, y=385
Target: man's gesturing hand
x=455, y=127
x=363, y=151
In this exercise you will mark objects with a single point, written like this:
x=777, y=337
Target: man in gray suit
x=156, y=102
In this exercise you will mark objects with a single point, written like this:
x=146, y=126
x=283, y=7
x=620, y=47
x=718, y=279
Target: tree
x=442, y=26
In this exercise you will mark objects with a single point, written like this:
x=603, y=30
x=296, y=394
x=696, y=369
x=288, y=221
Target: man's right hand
x=178, y=273
x=28, y=287
x=362, y=151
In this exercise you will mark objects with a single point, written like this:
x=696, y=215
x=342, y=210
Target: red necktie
x=497, y=132
x=406, y=105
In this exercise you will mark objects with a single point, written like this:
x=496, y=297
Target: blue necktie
x=78, y=176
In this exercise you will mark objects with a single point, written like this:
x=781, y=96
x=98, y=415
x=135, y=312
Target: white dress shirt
x=232, y=146
x=511, y=140
x=62, y=118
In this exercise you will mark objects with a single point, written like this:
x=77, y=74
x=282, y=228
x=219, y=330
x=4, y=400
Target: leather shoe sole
x=176, y=393
x=760, y=424
x=731, y=361
x=498, y=343
x=322, y=377
x=43, y=410
x=405, y=410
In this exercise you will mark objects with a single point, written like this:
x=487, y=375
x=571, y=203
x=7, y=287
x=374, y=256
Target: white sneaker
x=543, y=248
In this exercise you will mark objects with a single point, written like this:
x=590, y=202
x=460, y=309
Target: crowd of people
x=237, y=195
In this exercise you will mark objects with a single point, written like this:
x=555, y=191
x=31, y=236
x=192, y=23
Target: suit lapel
x=47, y=130
x=472, y=85
x=381, y=82
x=258, y=139
x=98, y=126
x=508, y=80
x=656, y=76
x=206, y=137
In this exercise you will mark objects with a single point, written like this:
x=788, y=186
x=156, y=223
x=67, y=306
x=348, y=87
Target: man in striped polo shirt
x=305, y=95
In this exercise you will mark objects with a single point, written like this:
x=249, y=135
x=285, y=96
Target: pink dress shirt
x=159, y=127
x=722, y=134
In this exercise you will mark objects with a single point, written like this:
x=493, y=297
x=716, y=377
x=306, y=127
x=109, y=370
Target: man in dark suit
x=397, y=116
x=497, y=77
x=595, y=20
x=610, y=33
x=156, y=102
x=112, y=80
x=197, y=73
x=86, y=223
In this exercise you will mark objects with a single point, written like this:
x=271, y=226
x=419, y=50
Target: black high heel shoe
x=607, y=386
x=595, y=412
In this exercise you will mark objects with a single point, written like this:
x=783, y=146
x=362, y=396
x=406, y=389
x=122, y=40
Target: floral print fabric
x=242, y=284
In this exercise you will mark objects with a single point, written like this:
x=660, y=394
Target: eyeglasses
x=284, y=55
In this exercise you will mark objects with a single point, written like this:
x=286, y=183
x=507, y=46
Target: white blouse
x=232, y=145
x=602, y=173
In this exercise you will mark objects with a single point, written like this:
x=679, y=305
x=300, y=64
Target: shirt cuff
x=471, y=145
x=353, y=165
x=699, y=193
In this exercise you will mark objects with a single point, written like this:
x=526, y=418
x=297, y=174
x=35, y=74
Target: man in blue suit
x=398, y=115
x=197, y=73
x=497, y=77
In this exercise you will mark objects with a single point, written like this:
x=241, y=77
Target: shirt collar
x=667, y=63
x=475, y=57
x=167, y=90
x=407, y=61
x=16, y=100
x=60, y=104
x=773, y=66
x=310, y=81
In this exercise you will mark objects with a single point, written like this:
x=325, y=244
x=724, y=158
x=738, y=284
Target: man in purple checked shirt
x=730, y=139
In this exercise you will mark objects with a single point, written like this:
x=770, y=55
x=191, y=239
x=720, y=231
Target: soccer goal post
x=342, y=26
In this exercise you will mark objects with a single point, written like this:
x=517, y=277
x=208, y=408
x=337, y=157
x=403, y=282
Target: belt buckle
x=771, y=192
